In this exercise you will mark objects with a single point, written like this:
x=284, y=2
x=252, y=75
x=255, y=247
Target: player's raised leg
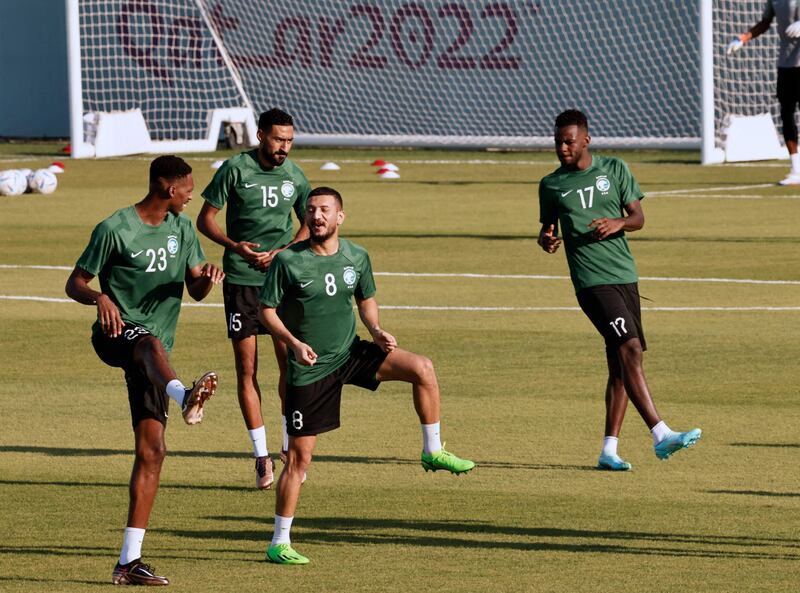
x=402, y=365
x=149, y=353
x=665, y=440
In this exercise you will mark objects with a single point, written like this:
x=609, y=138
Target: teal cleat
x=677, y=441
x=613, y=463
x=445, y=460
x=285, y=554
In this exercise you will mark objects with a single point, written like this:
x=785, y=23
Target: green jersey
x=576, y=198
x=142, y=268
x=315, y=295
x=260, y=203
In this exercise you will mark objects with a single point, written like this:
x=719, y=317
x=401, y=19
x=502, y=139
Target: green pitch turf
x=522, y=375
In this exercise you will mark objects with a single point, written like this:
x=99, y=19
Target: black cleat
x=136, y=573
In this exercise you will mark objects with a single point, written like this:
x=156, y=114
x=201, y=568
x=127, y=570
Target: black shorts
x=314, y=408
x=146, y=401
x=788, y=86
x=615, y=311
x=241, y=310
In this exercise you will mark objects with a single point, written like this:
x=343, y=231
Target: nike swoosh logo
x=249, y=185
x=564, y=194
x=138, y=253
x=304, y=284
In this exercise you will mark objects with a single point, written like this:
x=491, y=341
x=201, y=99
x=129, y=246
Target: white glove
x=793, y=30
x=736, y=45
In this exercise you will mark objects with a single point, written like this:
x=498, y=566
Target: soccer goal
x=155, y=75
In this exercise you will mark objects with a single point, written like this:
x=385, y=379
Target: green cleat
x=445, y=460
x=285, y=554
x=613, y=463
x=677, y=441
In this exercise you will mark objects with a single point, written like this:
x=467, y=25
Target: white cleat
x=791, y=179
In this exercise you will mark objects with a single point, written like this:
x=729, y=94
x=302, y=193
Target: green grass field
x=522, y=392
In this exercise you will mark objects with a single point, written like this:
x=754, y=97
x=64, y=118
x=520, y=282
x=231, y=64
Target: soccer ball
x=12, y=183
x=43, y=182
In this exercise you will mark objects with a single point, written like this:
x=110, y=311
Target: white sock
x=285, y=446
x=282, y=527
x=259, y=438
x=176, y=390
x=610, y=446
x=431, y=442
x=131, y=545
x=795, y=162
x=660, y=431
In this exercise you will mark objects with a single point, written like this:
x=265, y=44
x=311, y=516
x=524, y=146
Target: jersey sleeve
x=629, y=190
x=548, y=208
x=365, y=288
x=218, y=190
x=303, y=189
x=102, y=245
x=275, y=283
x=195, y=255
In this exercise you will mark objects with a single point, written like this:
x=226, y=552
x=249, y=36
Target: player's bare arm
x=758, y=29
x=201, y=278
x=548, y=240
x=78, y=290
x=605, y=227
x=368, y=312
x=302, y=352
x=207, y=224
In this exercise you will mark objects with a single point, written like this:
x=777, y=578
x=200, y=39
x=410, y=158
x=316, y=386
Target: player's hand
x=213, y=273
x=735, y=46
x=246, y=250
x=605, y=227
x=304, y=354
x=384, y=339
x=263, y=260
x=793, y=30
x=548, y=240
x=108, y=314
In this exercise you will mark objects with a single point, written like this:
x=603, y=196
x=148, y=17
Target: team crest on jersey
x=349, y=276
x=287, y=189
x=602, y=184
x=172, y=245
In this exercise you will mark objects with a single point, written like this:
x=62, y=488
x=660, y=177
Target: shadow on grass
x=355, y=459
x=757, y=493
x=103, y=584
x=481, y=535
x=770, y=445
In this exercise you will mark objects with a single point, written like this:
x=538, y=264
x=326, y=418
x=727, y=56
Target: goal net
x=744, y=85
x=485, y=73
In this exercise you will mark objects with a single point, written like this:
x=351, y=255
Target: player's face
x=276, y=144
x=323, y=217
x=180, y=193
x=571, y=143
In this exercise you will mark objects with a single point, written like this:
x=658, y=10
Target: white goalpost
x=164, y=75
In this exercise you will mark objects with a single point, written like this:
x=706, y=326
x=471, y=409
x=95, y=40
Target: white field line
x=494, y=276
x=407, y=160
x=39, y=299
x=708, y=189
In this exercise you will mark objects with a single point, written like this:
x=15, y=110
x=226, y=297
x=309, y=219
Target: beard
x=273, y=158
x=321, y=234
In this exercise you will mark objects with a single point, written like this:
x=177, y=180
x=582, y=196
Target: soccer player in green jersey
x=261, y=188
x=314, y=283
x=143, y=256
x=596, y=200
